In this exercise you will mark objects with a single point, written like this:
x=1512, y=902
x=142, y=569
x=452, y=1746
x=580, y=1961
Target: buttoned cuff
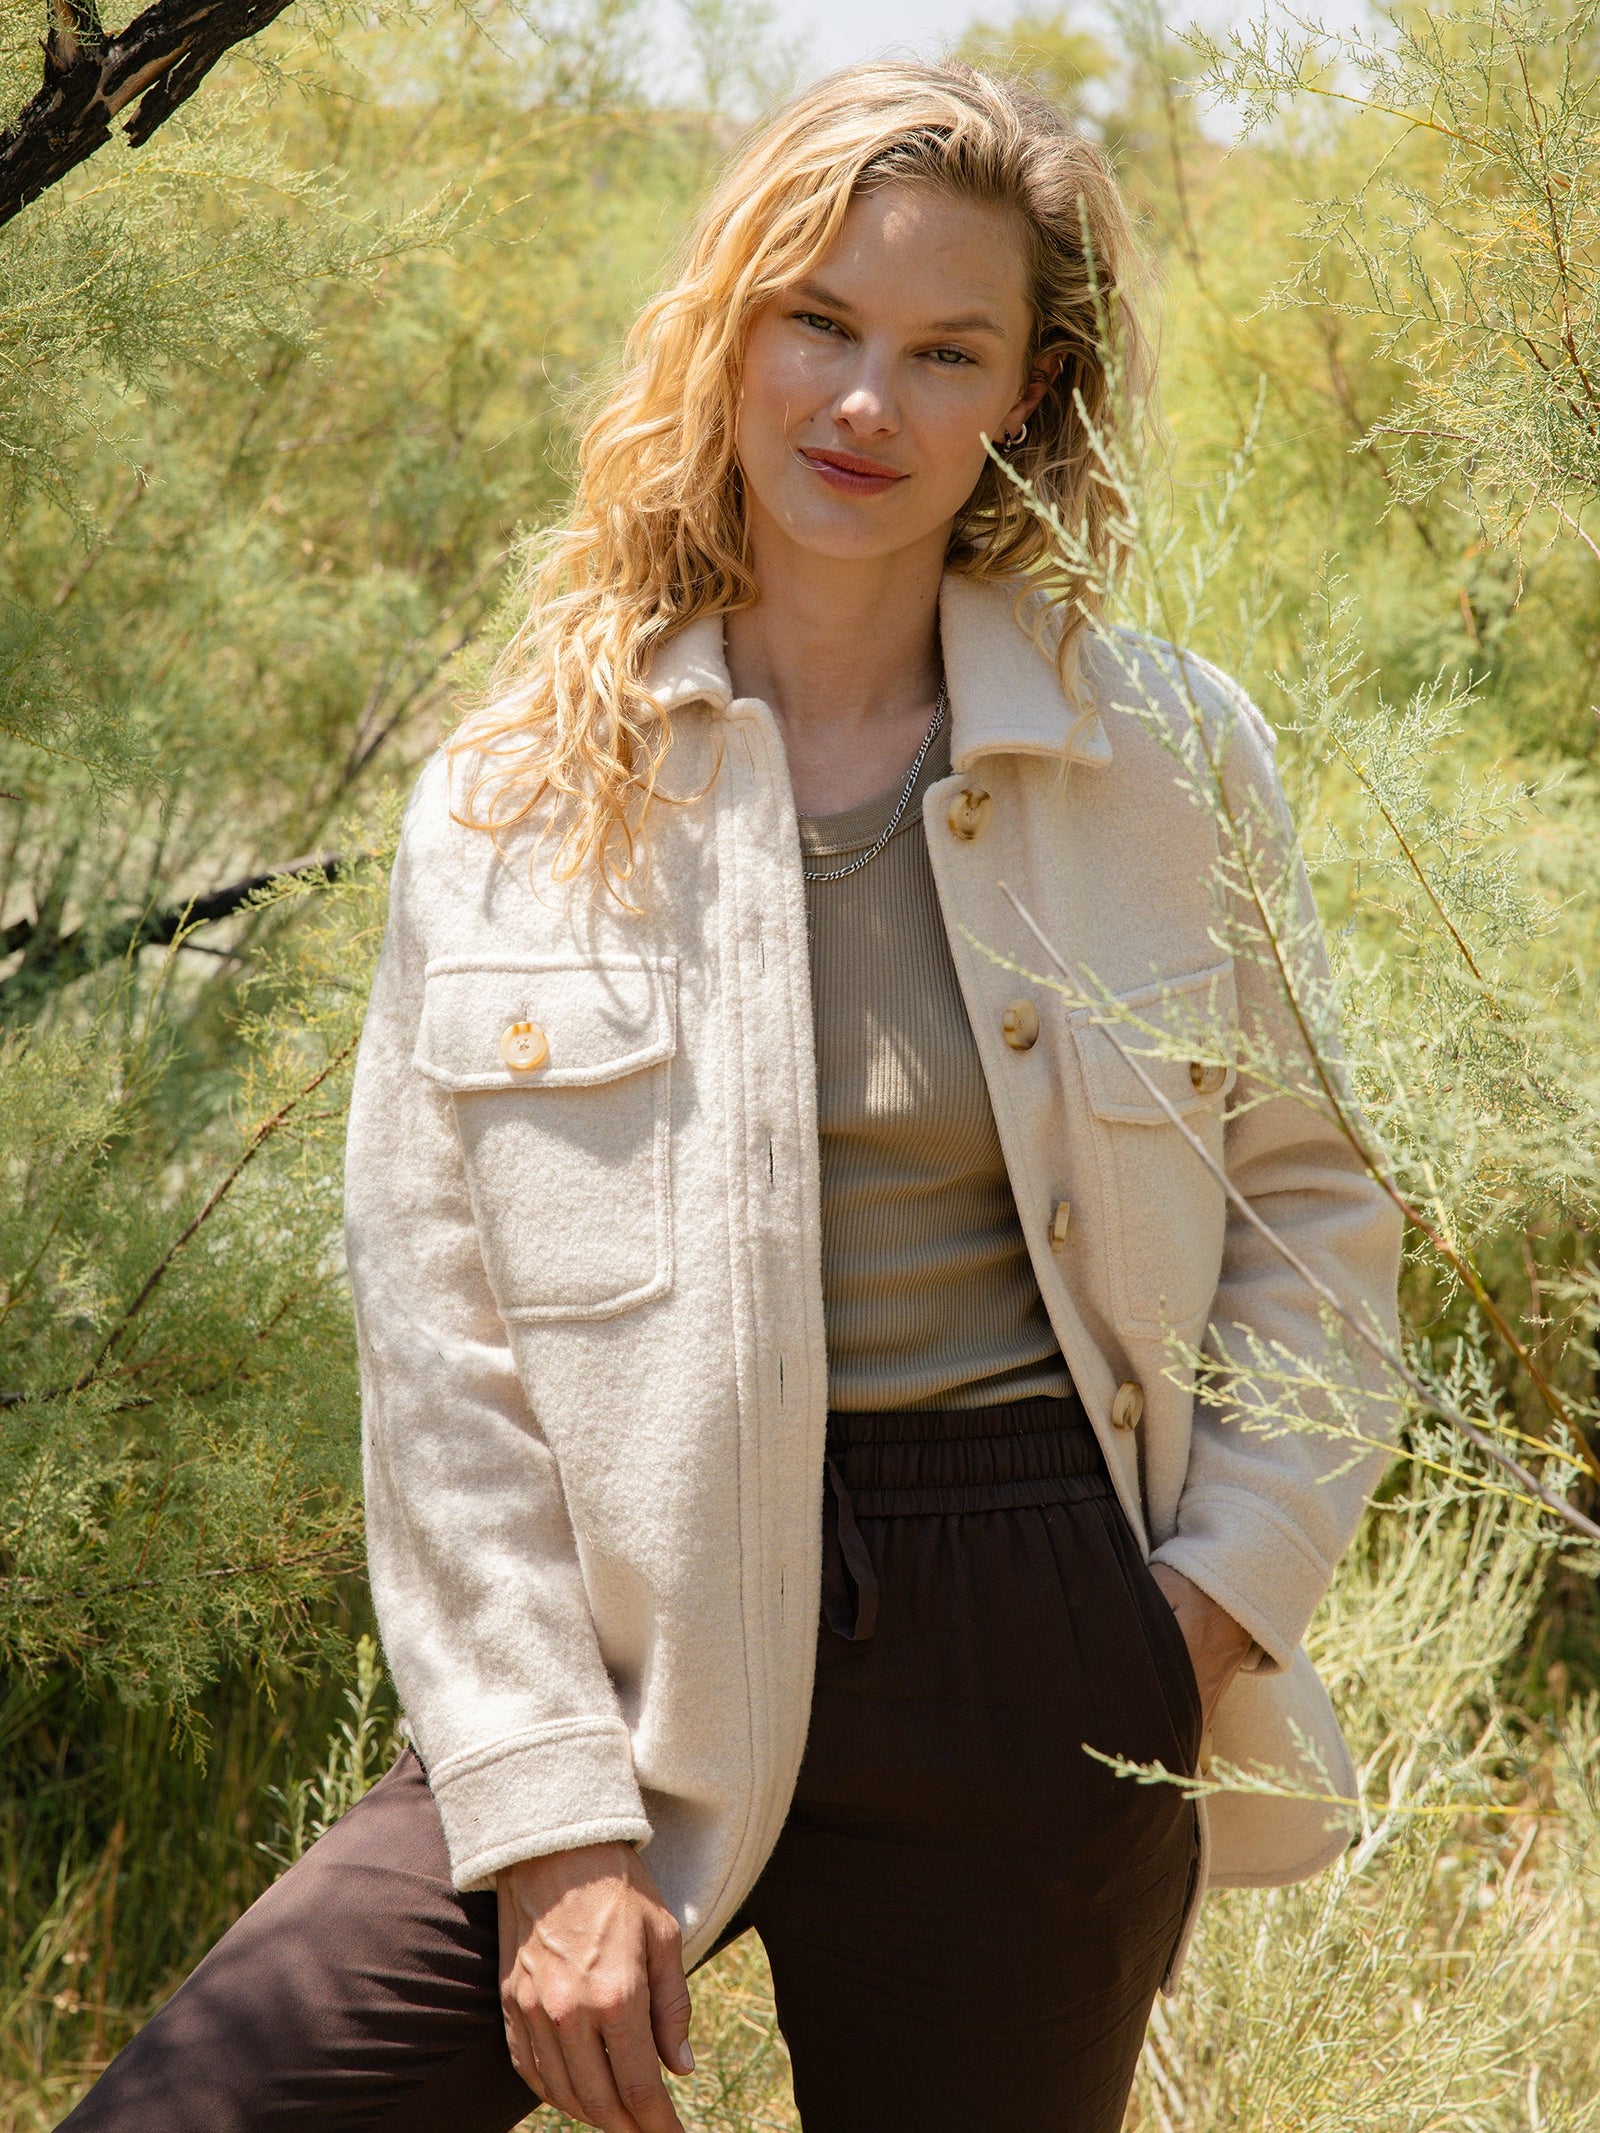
x=549, y=1789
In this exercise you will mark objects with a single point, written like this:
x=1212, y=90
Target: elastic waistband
x=919, y=1462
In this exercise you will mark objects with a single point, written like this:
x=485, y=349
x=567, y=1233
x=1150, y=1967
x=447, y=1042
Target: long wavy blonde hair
x=568, y=730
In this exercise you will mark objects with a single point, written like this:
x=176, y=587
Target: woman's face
x=870, y=385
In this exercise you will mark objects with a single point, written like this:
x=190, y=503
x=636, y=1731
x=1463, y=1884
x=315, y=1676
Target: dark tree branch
x=158, y=61
x=51, y=960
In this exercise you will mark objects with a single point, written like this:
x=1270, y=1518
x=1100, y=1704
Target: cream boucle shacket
x=589, y=1296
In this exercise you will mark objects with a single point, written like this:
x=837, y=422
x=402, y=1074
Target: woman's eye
x=816, y=319
x=950, y=358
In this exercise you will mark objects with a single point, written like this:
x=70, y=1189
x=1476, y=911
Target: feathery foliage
x=1472, y=238
x=267, y=458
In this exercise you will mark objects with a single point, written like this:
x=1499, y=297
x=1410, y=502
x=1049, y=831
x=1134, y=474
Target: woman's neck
x=846, y=655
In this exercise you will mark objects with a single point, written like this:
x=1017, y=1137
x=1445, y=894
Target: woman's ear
x=1040, y=379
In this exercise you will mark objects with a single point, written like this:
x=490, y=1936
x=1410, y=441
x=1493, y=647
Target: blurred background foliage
x=281, y=392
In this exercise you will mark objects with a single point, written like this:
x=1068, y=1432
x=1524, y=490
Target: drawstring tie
x=849, y=1582
x=942, y=1463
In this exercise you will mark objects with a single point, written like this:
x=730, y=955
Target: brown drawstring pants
x=967, y=1917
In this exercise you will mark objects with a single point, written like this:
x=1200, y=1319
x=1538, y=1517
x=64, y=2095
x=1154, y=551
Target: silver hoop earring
x=1014, y=438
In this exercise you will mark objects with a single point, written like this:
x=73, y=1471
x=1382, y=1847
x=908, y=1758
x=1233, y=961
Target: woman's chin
x=857, y=531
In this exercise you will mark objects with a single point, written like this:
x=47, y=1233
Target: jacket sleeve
x=1267, y=1510
x=474, y=1571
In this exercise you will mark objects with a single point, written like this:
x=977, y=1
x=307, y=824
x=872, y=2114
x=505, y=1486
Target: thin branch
x=1573, y=526
x=1341, y=1113
x=1584, y=420
x=1328, y=325
x=219, y=1192
x=367, y=739
x=1411, y=859
x=1563, y=271
x=1386, y=1352
x=1421, y=123
x=1254, y=1783
x=263, y=1133
x=91, y=555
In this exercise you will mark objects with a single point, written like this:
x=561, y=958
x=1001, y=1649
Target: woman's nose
x=868, y=406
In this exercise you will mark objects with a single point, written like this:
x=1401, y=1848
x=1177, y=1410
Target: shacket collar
x=1004, y=694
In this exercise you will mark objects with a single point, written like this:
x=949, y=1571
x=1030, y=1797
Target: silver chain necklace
x=866, y=858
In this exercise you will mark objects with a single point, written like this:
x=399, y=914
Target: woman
x=764, y=1291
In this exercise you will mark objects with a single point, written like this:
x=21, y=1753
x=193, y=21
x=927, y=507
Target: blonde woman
x=778, y=1476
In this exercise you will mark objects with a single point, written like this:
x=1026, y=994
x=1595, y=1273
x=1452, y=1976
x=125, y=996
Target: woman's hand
x=592, y=1985
x=1218, y=1647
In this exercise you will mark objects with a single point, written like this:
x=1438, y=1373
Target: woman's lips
x=851, y=473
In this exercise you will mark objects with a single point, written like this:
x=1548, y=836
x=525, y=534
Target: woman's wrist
x=1211, y=1622
x=1218, y=1645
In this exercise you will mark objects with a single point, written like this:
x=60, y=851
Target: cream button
x=1020, y=1023
x=524, y=1047
x=1060, y=1216
x=1206, y=1077
x=969, y=813
x=1127, y=1409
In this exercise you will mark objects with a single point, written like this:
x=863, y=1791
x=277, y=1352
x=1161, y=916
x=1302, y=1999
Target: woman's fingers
x=601, y=2071
x=532, y=2042
x=596, y=2099
x=669, y=1994
x=572, y=2069
x=541, y=2061
x=593, y=1988
x=636, y=2070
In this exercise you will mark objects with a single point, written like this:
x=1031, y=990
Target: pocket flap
x=600, y=1018
x=1190, y=1063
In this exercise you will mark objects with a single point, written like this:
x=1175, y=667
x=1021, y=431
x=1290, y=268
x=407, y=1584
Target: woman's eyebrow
x=969, y=322
x=814, y=292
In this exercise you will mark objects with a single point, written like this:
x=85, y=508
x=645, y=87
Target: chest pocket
x=1165, y=1213
x=560, y=1070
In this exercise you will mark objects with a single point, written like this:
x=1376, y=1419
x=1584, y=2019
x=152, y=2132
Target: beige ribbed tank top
x=929, y=1298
